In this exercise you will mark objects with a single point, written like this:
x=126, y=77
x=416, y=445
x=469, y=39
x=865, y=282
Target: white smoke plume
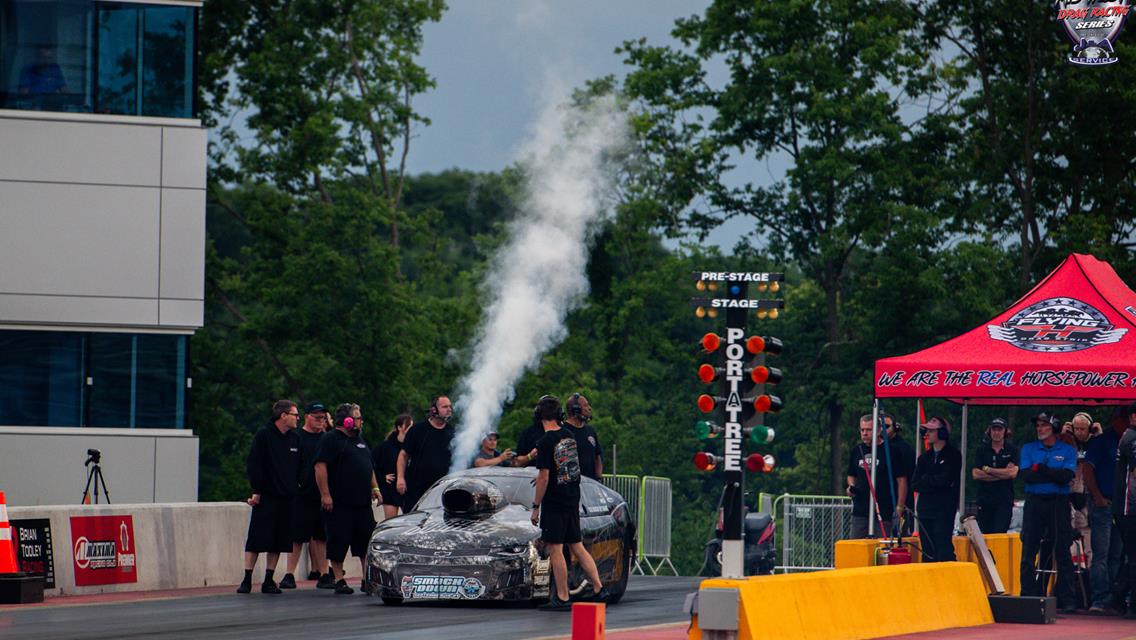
x=538, y=276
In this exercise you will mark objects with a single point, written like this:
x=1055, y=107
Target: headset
x=433, y=411
x=574, y=408
x=944, y=430
x=545, y=397
x=343, y=415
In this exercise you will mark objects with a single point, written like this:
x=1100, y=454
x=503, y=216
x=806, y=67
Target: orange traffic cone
x=7, y=547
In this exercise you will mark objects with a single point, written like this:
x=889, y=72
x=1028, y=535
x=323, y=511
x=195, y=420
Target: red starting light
x=767, y=404
x=711, y=342
x=707, y=373
x=763, y=344
x=704, y=461
x=756, y=462
x=764, y=375
x=706, y=403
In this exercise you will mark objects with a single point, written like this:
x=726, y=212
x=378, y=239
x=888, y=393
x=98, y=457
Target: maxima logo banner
x=104, y=550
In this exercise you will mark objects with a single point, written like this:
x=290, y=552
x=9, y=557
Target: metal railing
x=628, y=487
x=810, y=527
x=655, y=525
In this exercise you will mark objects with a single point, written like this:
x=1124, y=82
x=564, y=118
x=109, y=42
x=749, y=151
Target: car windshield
x=517, y=490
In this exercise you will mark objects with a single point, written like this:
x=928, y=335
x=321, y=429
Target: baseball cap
x=998, y=422
x=488, y=434
x=932, y=423
x=315, y=407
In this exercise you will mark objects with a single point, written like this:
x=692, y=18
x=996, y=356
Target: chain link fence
x=810, y=527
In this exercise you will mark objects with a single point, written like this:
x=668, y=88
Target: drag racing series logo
x=1056, y=325
x=442, y=587
x=1093, y=26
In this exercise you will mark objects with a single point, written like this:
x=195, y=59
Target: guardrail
x=810, y=527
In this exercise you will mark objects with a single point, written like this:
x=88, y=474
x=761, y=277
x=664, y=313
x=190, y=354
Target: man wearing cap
x=309, y=524
x=936, y=479
x=1047, y=467
x=995, y=467
x=490, y=456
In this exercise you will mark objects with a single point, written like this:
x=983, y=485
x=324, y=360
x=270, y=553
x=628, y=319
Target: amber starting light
x=706, y=403
x=766, y=404
x=711, y=342
x=765, y=375
x=707, y=373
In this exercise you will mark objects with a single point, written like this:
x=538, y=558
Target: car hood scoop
x=473, y=497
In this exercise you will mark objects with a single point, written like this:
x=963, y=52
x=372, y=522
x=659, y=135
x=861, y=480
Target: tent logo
x=1056, y=325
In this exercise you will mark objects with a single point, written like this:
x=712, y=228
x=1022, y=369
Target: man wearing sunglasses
x=274, y=473
x=936, y=479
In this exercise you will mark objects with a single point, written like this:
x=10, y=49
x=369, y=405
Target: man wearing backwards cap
x=936, y=479
x=995, y=467
x=1047, y=466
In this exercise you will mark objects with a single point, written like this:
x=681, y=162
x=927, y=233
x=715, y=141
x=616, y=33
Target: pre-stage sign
x=104, y=550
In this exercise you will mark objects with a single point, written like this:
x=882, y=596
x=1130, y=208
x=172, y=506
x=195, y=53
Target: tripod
x=94, y=479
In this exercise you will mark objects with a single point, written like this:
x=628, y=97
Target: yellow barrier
x=852, y=604
x=1005, y=548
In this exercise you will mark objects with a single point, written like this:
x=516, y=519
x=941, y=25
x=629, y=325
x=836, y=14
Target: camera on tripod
x=93, y=455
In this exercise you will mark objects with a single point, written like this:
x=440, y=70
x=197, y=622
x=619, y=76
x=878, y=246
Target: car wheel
x=616, y=593
x=393, y=601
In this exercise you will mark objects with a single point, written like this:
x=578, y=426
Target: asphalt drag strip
x=307, y=613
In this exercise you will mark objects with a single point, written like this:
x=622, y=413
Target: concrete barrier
x=1005, y=548
x=854, y=604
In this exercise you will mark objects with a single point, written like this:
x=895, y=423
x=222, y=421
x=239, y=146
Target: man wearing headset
x=995, y=467
x=1124, y=505
x=936, y=479
x=579, y=414
x=426, y=454
x=1047, y=467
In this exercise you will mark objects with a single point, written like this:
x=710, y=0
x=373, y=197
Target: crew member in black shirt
x=426, y=454
x=309, y=526
x=526, y=443
x=937, y=481
x=995, y=467
x=346, y=479
x=577, y=417
x=274, y=473
x=385, y=458
x=861, y=485
x=556, y=505
x=902, y=456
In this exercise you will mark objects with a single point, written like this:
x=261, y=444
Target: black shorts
x=309, y=523
x=390, y=495
x=349, y=527
x=270, y=526
x=560, y=526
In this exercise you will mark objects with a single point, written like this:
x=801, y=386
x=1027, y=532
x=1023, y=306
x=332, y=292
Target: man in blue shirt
x=1108, y=552
x=1047, y=467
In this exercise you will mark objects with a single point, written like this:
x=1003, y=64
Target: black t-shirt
x=349, y=468
x=429, y=452
x=385, y=458
x=588, y=447
x=557, y=452
x=529, y=438
x=903, y=461
x=309, y=445
x=274, y=462
x=861, y=499
x=997, y=491
x=937, y=481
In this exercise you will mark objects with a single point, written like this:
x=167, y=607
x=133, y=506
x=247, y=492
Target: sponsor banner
x=442, y=587
x=104, y=550
x=1057, y=325
x=34, y=552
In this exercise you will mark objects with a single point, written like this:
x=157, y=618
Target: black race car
x=470, y=538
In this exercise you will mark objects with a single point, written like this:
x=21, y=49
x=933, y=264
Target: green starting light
x=761, y=435
x=705, y=430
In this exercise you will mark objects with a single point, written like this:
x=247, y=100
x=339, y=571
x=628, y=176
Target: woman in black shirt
x=385, y=457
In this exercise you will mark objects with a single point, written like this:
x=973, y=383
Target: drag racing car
x=470, y=538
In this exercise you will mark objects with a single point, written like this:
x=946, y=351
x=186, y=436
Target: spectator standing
x=385, y=459
x=1080, y=430
x=859, y=482
x=903, y=458
x=309, y=526
x=577, y=417
x=274, y=474
x=490, y=456
x=995, y=467
x=556, y=505
x=426, y=454
x=936, y=479
x=1047, y=467
x=346, y=478
x=1108, y=551
x=1124, y=506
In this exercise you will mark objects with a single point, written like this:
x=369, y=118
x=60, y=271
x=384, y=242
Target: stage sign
x=104, y=550
x=33, y=549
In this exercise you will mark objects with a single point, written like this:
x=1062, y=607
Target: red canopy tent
x=1070, y=340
